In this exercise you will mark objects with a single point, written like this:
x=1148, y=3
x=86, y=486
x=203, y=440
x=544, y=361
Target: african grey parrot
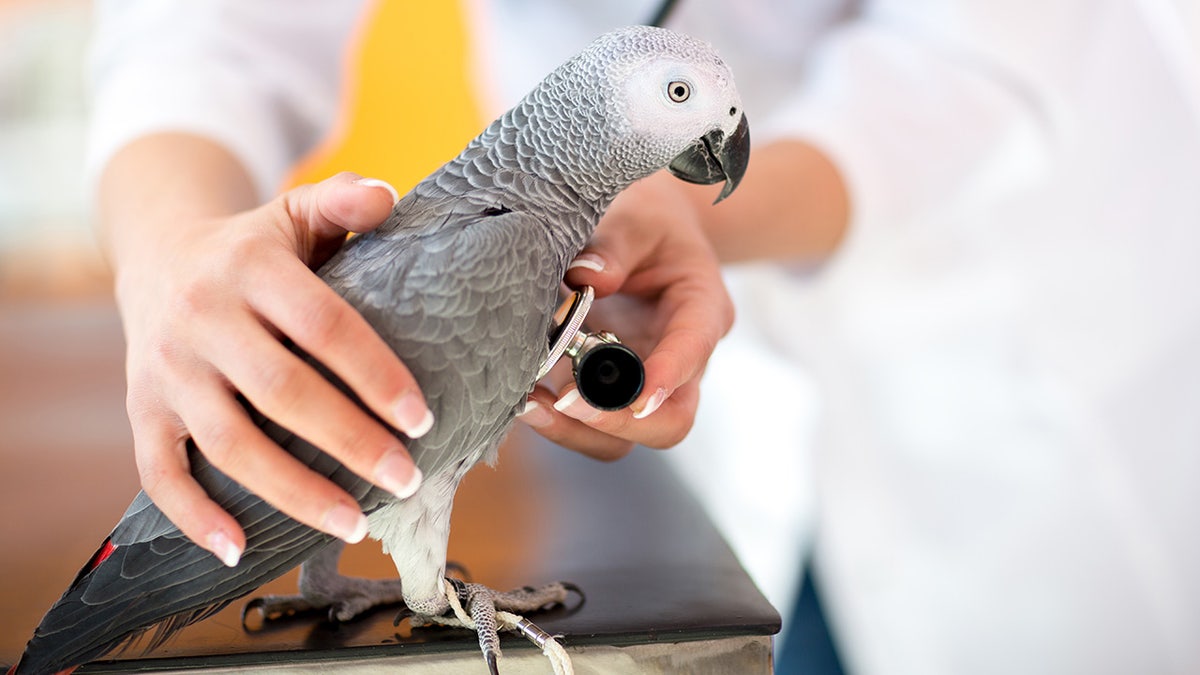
x=461, y=281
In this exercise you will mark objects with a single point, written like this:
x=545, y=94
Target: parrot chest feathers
x=416, y=531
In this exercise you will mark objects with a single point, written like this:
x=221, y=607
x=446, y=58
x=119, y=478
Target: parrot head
x=686, y=101
x=648, y=98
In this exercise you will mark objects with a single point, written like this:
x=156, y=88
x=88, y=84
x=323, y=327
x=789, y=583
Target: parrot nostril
x=733, y=111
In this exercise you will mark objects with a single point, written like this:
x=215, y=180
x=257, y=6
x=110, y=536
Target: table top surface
x=651, y=564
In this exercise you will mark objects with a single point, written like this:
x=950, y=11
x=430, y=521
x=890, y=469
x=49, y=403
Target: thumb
x=344, y=203
x=604, y=264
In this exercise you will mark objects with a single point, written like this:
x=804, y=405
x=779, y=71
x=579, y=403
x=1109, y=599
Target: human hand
x=663, y=295
x=206, y=304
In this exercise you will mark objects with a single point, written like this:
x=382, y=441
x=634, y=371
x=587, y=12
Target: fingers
x=651, y=251
x=689, y=298
x=298, y=398
x=236, y=446
x=571, y=433
x=163, y=469
x=306, y=310
x=693, y=314
x=325, y=326
x=610, y=435
x=699, y=315
x=228, y=290
x=344, y=203
x=302, y=307
x=321, y=214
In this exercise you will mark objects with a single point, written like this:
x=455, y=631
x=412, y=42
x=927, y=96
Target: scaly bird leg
x=322, y=587
x=487, y=612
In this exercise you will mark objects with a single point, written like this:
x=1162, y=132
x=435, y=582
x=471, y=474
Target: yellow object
x=408, y=104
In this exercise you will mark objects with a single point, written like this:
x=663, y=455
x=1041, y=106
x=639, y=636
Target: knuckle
x=194, y=297
x=153, y=474
x=139, y=406
x=279, y=387
x=245, y=245
x=387, y=380
x=705, y=342
x=219, y=442
x=290, y=499
x=322, y=323
x=360, y=445
x=166, y=359
x=156, y=446
x=688, y=352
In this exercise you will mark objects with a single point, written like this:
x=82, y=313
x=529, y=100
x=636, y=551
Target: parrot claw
x=273, y=608
x=487, y=612
x=343, y=604
x=322, y=588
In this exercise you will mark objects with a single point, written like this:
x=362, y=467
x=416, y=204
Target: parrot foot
x=487, y=612
x=323, y=588
x=351, y=598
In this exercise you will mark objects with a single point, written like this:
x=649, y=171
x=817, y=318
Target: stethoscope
x=608, y=374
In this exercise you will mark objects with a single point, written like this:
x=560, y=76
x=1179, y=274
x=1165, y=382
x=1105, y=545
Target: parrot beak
x=714, y=158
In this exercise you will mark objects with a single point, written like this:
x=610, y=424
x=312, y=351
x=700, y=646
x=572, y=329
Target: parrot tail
x=12, y=670
x=152, y=588
x=105, y=608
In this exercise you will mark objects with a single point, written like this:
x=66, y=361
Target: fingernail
x=223, y=547
x=653, y=404
x=412, y=416
x=572, y=405
x=396, y=473
x=535, y=415
x=375, y=182
x=589, y=261
x=346, y=523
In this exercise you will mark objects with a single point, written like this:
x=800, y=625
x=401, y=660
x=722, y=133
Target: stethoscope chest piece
x=608, y=374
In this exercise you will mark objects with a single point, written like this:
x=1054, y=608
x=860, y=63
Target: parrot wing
x=472, y=330
x=468, y=308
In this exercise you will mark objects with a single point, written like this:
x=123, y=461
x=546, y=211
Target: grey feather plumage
x=461, y=281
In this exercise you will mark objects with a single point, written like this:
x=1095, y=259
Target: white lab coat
x=983, y=409
x=1004, y=355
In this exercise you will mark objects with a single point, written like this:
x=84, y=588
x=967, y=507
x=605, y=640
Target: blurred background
x=47, y=246
x=55, y=366
x=62, y=416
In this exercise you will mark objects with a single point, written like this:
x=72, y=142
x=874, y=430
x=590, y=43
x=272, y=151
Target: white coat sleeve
x=931, y=107
x=261, y=78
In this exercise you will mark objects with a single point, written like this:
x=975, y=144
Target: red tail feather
x=106, y=549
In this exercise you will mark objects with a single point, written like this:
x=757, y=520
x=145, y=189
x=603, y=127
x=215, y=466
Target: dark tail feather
x=12, y=670
x=157, y=580
x=162, y=586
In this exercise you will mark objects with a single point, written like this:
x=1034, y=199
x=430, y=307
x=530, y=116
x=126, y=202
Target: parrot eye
x=679, y=91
